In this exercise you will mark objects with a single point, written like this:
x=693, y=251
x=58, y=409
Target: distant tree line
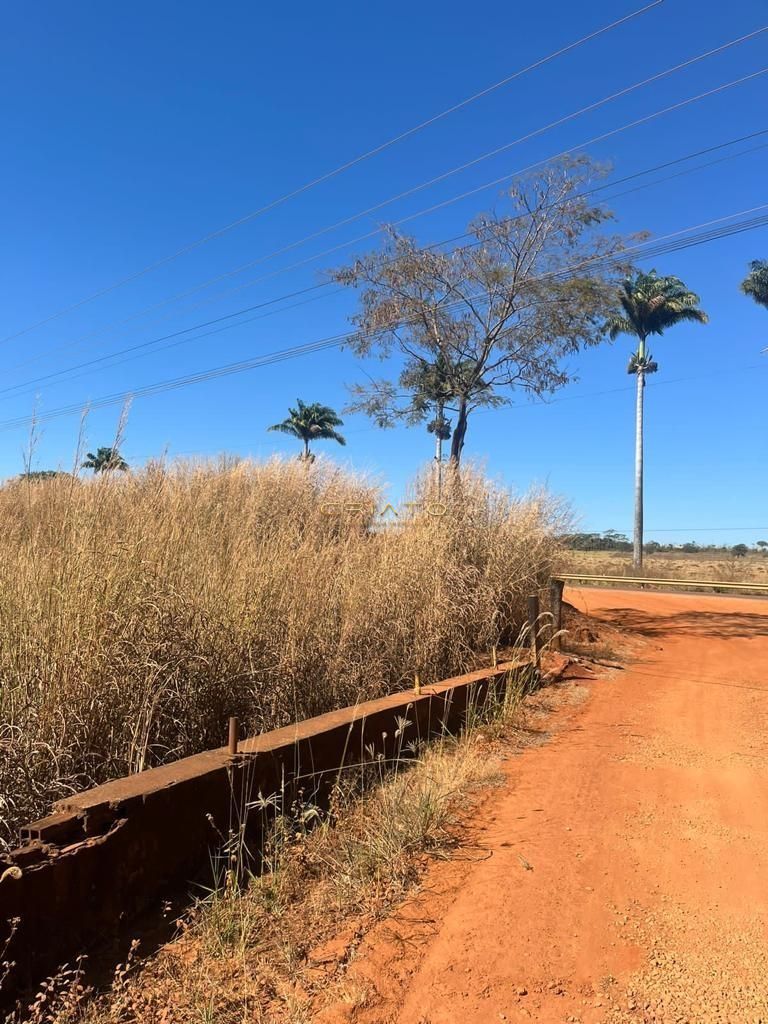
x=608, y=541
x=611, y=540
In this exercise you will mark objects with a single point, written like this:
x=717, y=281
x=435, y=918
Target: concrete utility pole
x=439, y=465
x=439, y=451
x=637, y=558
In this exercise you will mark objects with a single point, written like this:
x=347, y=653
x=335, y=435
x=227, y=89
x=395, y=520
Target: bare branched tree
x=494, y=316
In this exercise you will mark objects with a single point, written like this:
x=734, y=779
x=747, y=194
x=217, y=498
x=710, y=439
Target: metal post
x=234, y=735
x=417, y=683
x=533, y=625
x=439, y=458
x=440, y=423
x=556, y=607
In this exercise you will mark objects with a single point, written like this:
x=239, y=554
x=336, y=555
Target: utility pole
x=637, y=546
x=439, y=450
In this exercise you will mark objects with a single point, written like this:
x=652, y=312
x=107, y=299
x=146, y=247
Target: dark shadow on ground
x=718, y=625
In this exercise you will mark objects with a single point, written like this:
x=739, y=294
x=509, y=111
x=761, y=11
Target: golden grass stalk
x=138, y=611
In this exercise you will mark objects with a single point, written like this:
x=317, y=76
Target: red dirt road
x=622, y=872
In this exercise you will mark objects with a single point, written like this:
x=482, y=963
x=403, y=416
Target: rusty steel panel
x=106, y=855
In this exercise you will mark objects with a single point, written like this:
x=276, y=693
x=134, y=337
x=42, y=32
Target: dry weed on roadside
x=138, y=611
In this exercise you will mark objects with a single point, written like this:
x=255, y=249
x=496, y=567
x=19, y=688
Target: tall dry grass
x=706, y=566
x=137, y=612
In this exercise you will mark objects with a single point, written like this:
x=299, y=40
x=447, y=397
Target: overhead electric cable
x=336, y=341
x=495, y=152
x=286, y=197
x=144, y=347
x=413, y=190
x=598, y=138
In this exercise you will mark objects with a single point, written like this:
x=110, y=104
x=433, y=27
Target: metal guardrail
x=715, y=584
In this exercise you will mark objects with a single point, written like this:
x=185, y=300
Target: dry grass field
x=707, y=566
x=138, y=611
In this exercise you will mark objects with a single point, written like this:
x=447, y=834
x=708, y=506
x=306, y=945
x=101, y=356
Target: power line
x=426, y=210
x=427, y=184
x=514, y=174
x=515, y=142
x=175, y=334
x=698, y=167
x=142, y=347
x=653, y=249
x=496, y=181
x=620, y=181
x=336, y=341
x=545, y=403
x=341, y=168
x=693, y=529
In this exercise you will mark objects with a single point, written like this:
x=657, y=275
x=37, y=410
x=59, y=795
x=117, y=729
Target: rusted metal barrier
x=556, y=607
x=714, y=584
x=533, y=627
x=102, y=857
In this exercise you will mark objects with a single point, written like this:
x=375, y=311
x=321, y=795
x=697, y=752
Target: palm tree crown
x=104, y=460
x=755, y=284
x=650, y=304
x=311, y=422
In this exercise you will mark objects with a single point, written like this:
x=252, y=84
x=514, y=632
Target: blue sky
x=132, y=130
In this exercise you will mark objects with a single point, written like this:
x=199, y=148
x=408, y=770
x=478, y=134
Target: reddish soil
x=621, y=873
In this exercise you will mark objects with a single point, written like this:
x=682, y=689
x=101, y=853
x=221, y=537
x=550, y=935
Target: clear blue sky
x=131, y=130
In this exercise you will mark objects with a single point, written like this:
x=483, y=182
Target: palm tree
x=650, y=304
x=313, y=422
x=755, y=284
x=104, y=460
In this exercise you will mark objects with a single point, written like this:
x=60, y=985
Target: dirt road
x=622, y=873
